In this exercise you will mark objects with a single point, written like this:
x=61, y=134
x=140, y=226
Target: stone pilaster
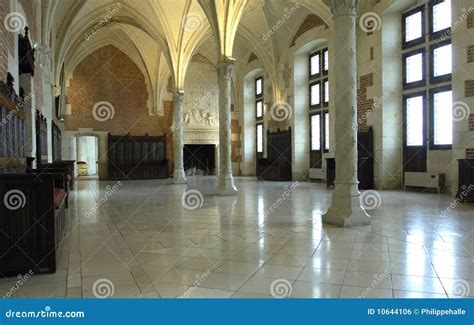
x=345, y=209
x=225, y=181
x=178, y=142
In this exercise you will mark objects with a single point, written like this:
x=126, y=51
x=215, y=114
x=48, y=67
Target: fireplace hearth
x=199, y=159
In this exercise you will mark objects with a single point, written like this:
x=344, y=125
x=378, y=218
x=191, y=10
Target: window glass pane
x=413, y=27
x=315, y=64
x=414, y=67
x=442, y=57
x=326, y=91
x=415, y=121
x=315, y=94
x=260, y=138
x=316, y=132
x=326, y=60
x=326, y=131
x=259, y=86
x=442, y=16
x=443, y=118
x=259, y=108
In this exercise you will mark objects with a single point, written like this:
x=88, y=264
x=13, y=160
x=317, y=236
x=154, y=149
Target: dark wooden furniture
x=32, y=221
x=26, y=54
x=365, y=162
x=41, y=139
x=277, y=165
x=12, y=129
x=137, y=157
x=466, y=180
x=67, y=165
x=56, y=138
x=365, y=159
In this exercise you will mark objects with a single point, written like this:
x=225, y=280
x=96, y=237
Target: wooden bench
x=32, y=221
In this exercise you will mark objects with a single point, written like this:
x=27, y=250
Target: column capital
x=225, y=70
x=343, y=7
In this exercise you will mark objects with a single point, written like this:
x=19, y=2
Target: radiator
x=426, y=180
x=317, y=173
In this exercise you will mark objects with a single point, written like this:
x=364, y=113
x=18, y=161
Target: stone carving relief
x=200, y=117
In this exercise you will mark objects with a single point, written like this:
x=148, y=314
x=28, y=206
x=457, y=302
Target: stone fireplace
x=199, y=159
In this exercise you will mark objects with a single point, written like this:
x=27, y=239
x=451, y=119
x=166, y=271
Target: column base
x=226, y=186
x=179, y=177
x=345, y=209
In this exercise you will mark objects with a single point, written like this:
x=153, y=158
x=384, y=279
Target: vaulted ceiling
x=162, y=36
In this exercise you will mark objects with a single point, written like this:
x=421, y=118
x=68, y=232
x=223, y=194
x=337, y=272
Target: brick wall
x=470, y=54
x=310, y=22
x=470, y=153
x=469, y=88
x=110, y=75
x=471, y=122
x=364, y=104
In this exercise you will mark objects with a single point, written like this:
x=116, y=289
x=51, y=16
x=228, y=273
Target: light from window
x=315, y=94
x=326, y=131
x=442, y=57
x=315, y=64
x=259, y=108
x=414, y=121
x=326, y=60
x=259, y=138
x=326, y=91
x=413, y=26
x=443, y=118
x=414, y=68
x=316, y=132
x=259, y=86
x=442, y=16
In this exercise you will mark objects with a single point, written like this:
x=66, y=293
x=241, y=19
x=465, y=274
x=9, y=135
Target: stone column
x=225, y=181
x=345, y=209
x=178, y=108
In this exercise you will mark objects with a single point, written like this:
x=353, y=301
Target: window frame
x=432, y=93
x=435, y=35
x=321, y=145
x=259, y=118
x=323, y=122
x=323, y=52
x=445, y=77
x=415, y=84
x=324, y=102
x=319, y=105
x=259, y=153
x=256, y=81
x=421, y=93
x=317, y=75
x=421, y=39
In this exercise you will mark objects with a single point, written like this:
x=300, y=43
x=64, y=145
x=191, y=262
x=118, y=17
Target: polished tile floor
x=153, y=239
